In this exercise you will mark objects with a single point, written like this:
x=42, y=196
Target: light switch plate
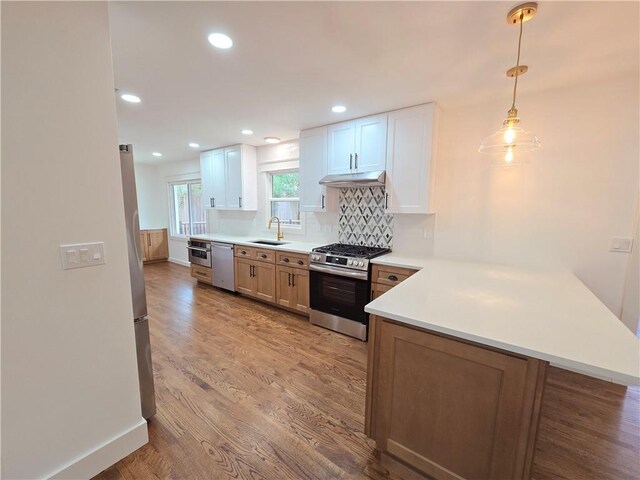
x=621, y=244
x=78, y=255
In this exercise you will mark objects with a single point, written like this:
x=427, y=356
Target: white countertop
x=398, y=260
x=290, y=246
x=549, y=315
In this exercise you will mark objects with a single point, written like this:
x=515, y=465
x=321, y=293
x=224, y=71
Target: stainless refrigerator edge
x=140, y=320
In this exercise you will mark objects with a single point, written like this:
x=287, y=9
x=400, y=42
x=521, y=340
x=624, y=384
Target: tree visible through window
x=284, y=201
x=188, y=213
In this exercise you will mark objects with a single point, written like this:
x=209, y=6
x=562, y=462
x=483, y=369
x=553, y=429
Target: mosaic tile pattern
x=362, y=219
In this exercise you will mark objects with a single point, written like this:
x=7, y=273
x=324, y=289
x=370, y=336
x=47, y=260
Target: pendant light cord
x=517, y=74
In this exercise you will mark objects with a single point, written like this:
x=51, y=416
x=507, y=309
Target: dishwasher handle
x=226, y=246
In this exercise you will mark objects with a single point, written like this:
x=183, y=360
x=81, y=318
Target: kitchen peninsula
x=457, y=361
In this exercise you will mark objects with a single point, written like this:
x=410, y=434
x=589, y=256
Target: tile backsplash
x=362, y=219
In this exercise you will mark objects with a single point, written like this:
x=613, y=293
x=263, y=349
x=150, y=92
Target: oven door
x=200, y=254
x=339, y=291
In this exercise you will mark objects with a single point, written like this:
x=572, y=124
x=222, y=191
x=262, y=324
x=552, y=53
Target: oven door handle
x=199, y=249
x=341, y=272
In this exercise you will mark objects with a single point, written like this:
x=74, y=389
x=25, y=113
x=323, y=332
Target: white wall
x=152, y=200
x=70, y=393
x=579, y=190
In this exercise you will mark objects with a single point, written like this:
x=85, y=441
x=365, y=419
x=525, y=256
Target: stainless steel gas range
x=340, y=287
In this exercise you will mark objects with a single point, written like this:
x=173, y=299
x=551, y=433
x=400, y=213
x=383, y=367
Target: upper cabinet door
x=206, y=178
x=233, y=166
x=411, y=138
x=371, y=144
x=313, y=166
x=341, y=147
x=219, y=182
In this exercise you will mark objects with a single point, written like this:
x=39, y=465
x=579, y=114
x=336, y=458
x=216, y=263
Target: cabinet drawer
x=296, y=260
x=390, y=275
x=203, y=274
x=247, y=252
x=265, y=255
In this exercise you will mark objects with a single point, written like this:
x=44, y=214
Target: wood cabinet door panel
x=244, y=279
x=284, y=290
x=378, y=289
x=301, y=289
x=463, y=423
x=265, y=281
x=144, y=246
x=158, y=244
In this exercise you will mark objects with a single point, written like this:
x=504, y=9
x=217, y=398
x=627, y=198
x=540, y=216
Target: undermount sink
x=268, y=242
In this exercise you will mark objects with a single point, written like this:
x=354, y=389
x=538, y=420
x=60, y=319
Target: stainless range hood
x=364, y=179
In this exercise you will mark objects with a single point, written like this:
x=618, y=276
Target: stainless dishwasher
x=222, y=266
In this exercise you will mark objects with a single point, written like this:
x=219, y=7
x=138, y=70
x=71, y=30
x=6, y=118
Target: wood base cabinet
x=154, y=245
x=292, y=288
x=451, y=409
x=255, y=279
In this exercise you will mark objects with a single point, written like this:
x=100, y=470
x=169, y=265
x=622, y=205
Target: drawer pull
x=263, y=256
x=393, y=278
x=300, y=262
x=285, y=259
x=243, y=252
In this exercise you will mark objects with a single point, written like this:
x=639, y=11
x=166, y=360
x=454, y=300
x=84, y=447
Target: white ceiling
x=292, y=61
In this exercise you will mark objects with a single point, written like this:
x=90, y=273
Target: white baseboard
x=106, y=455
x=179, y=262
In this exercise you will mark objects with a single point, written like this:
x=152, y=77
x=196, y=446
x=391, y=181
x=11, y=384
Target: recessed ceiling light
x=127, y=97
x=271, y=139
x=194, y=145
x=247, y=132
x=156, y=154
x=220, y=40
x=338, y=109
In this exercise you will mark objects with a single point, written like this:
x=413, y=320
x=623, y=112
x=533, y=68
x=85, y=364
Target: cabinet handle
x=243, y=252
x=211, y=204
x=252, y=270
x=322, y=201
x=356, y=163
x=214, y=201
x=351, y=161
x=289, y=278
x=393, y=278
x=285, y=259
x=148, y=239
x=386, y=201
x=293, y=280
x=239, y=202
x=300, y=262
x=263, y=256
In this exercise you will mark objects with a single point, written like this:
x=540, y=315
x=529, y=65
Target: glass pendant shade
x=508, y=143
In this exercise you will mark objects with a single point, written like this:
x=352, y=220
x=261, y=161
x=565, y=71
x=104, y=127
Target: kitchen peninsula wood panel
x=449, y=408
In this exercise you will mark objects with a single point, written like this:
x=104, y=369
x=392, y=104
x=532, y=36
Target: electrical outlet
x=79, y=255
x=621, y=244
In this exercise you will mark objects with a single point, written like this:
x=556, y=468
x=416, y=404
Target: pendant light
x=511, y=140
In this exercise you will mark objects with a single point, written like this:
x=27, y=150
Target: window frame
x=173, y=231
x=270, y=198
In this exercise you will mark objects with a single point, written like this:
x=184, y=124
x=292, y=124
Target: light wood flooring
x=251, y=392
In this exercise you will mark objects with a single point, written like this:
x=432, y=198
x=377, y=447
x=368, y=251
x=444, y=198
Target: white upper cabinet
x=206, y=174
x=313, y=166
x=371, y=144
x=229, y=178
x=218, y=191
x=357, y=145
x=341, y=147
x=410, y=164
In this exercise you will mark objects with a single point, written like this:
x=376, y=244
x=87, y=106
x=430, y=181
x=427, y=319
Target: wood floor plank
x=247, y=391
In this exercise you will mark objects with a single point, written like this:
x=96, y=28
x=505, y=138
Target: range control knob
x=361, y=264
x=349, y=262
